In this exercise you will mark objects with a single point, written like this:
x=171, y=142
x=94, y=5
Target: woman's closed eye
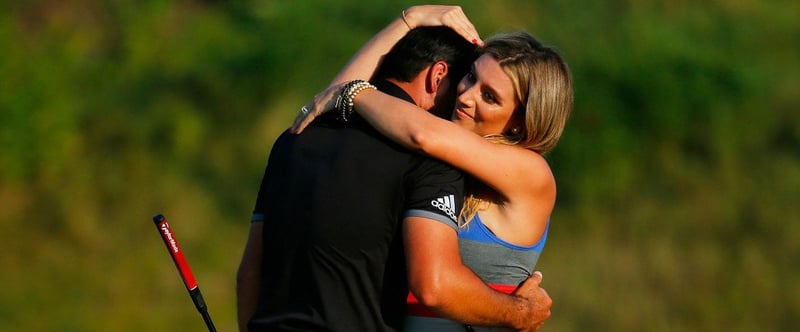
x=489, y=97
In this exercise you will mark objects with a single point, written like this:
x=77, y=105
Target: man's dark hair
x=423, y=46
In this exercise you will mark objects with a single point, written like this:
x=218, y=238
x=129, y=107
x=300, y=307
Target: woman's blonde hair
x=544, y=97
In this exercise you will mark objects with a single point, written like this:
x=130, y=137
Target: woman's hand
x=323, y=102
x=449, y=16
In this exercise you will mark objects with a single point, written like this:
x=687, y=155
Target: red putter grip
x=175, y=251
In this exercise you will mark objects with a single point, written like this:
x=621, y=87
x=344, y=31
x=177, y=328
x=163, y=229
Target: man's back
x=332, y=201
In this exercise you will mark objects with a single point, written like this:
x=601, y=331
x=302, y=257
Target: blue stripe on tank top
x=477, y=231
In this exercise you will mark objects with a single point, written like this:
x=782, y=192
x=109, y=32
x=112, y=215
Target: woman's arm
x=513, y=171
x=365, y=61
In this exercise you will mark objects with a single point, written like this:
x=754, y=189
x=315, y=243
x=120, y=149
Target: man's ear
x=436, y=75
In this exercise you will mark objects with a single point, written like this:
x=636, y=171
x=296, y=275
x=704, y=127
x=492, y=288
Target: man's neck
x=414, y=89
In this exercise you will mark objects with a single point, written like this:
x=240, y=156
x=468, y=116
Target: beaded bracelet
x=344, y=103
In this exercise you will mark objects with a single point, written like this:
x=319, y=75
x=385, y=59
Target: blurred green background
x=679, y=173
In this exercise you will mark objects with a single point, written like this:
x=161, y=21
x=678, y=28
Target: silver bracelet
x=344, y=103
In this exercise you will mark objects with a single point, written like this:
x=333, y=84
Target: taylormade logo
x=447, y=204
x=173, y=245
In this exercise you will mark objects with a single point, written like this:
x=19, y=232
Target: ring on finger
x=304, y=110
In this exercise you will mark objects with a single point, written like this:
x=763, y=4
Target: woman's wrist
x=404, y=15
x=405, y=20
x=344, y=102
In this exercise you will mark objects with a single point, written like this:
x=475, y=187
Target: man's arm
x=440, y=281
x=249, y=275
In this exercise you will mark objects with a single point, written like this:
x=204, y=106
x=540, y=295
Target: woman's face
x=486, y=100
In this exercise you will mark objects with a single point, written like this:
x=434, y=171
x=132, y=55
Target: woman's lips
x=461, y=114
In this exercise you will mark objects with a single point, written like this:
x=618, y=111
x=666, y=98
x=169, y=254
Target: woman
x=511, y=109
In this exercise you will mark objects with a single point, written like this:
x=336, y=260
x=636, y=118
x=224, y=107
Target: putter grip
x=175, y=251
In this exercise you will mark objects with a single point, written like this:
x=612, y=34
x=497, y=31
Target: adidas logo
x=447, y=204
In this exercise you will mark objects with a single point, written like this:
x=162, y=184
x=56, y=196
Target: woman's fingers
x=455, y=19
x=307, y=114
x=449, y=16
x=301, y=121
x=321, y=103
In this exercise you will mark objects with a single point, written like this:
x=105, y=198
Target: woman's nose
x=466, y=95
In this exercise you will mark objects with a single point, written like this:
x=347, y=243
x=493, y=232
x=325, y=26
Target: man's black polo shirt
x=332, y=200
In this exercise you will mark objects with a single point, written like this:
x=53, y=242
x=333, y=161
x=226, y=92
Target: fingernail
x=474, y=41
x=539, y=273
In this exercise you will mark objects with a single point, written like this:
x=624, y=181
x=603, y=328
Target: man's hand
x=539, y=301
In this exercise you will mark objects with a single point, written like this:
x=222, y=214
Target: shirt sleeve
x=435, y=191
x=260, y=206
x=266, y=193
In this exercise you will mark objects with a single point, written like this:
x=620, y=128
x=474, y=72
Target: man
x=325, y=250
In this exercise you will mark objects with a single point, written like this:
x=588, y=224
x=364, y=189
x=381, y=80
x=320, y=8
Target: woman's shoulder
x=533, y=174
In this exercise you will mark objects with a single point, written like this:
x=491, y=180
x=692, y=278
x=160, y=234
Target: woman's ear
x=516, y=125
